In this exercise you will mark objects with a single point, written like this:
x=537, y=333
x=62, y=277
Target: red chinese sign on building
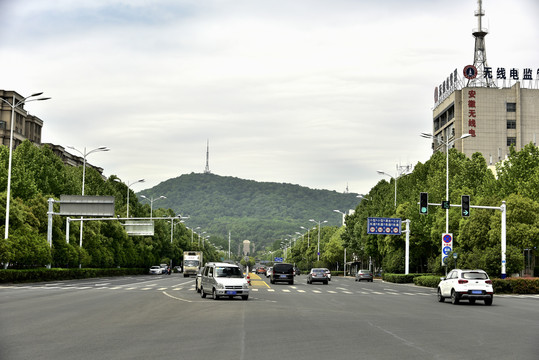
x=472, y=113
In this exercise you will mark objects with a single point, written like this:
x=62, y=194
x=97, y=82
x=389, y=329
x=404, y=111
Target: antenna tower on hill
x=480, y=53
x=207, y=168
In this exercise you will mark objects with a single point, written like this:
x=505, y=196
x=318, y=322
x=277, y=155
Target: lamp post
x=343, y=215
x=151, y=200
x=447, y=143
x=399, y=173
x=128, y=185
x=13, y=105
x=84, y=155
x=319, y=224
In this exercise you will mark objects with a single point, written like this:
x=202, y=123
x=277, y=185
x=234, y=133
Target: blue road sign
x=446, y=250
x=384, y=226
x=278, y=259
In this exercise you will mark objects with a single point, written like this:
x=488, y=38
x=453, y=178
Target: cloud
x=311, y=92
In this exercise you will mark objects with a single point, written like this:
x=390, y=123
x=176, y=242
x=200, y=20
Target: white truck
x=192, y=262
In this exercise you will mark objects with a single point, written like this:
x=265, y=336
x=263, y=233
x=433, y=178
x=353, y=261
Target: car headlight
x=245, y=286
x=220, y=286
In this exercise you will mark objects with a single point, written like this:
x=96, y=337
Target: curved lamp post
x=343, y=215
x=151, y=200
x=447, y=143
x=13, y=105
x=84, y=155
x=128, y=185
x=319, y=224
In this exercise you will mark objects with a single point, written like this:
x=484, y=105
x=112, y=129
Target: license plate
x=477, y=292
x=283, y=276
x=231, y=293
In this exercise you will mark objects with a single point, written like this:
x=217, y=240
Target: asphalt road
x=162, y=317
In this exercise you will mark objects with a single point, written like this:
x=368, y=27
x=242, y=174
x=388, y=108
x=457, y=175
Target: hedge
x=42, y=274
x=401, y=278
x=501, y=286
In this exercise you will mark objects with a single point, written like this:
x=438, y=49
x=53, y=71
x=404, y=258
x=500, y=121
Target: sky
x=310, y=92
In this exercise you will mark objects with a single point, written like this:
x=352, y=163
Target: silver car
x=223, y=279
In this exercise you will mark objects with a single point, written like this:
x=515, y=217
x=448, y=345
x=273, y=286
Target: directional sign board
x=447, y=246
x=139, y=228
x=384, y=226
x=278, y=259
x=76, y=205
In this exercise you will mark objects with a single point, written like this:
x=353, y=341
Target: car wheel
x=372, y=280
x=488, y=301
x=202, y=293
x=245, y=297
x=291, y=282
x=214, y=294
x=454, y=297
x=326, y=282
x=440, y=297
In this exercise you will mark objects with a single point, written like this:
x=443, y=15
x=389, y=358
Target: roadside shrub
x=400, y=278
x=428, y=281
x=516, y=286
x=41, y=274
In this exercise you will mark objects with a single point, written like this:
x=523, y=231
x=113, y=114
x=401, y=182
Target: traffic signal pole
x=503, y=238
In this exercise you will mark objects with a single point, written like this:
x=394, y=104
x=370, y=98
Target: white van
x=223, y=279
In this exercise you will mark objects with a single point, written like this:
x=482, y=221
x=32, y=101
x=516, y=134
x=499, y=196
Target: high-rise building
x=498, y=107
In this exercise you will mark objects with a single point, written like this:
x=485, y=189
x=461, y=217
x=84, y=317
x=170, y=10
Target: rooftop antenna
x=207, y=168
x=480, y=54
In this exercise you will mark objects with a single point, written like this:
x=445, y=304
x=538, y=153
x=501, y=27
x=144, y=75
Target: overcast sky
x=316, y=93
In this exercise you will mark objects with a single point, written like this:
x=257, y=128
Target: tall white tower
x=207, y=168
x=480, y=53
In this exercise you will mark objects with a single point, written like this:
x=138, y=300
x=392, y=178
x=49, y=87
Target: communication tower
x=207, y=168
x=480, y=53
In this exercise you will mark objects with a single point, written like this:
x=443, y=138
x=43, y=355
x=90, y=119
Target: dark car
x=282, y=272
x=364, y=275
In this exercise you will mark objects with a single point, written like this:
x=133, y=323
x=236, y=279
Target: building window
x=511, y=107
x=511, y=124
x=2, y=125
x=511, y=141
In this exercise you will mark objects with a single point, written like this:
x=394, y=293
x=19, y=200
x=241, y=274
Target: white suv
x=470, y=285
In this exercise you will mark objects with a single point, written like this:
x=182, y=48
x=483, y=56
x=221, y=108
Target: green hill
x=258, y=211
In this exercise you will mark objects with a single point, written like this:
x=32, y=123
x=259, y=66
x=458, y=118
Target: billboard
x=77, y=205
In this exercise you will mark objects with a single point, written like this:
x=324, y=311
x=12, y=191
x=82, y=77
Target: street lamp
x=151, y=200
x=398, y=175
x=128, y=185
x=343, y=215
x=84, y=155
x=430, y=136
x=319, y=224
x=13, y=105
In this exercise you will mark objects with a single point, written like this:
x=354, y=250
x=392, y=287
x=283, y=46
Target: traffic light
x=424, y=203
x=465, y=203
x=445, y=204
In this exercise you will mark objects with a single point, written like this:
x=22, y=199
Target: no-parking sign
x=447, y=246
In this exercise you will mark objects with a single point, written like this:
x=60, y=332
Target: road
x=162, y=317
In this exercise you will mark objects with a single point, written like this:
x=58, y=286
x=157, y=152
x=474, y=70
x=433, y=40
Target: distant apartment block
x=28, y=127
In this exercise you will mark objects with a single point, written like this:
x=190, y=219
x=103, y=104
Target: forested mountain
x=258, y=211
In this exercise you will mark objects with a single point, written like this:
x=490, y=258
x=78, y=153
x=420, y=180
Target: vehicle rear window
x=474, y=275
x=283, y=268
x=231, y=271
